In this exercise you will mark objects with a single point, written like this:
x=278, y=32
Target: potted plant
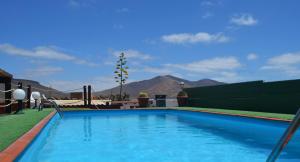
x=143, y=99
x=182, y=99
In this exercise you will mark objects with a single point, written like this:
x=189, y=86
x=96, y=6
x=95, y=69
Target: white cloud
x=81, y=3
x=130, y=53
x=63, y=85
x=109, y=62
x=122, y=10
x=43, y=52
x=244, y=20
x=207, y=15
x=228, y=77
x=161, y=71
x=47, y=69
x=97, y=83
x=36, y=73
x=42, y=71
x=286, y=59
x=211, y=3
x=287, y=63
x=118, y=26
x=155, y=70
x=200, y=37
x=207, y=3
x=210, y=65
x=150, y=41
x=252, y=56
x=74, y=3
x=40, y=52
x=219, y=68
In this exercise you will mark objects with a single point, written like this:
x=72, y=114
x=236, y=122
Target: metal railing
x=57, y=108
x=287, y=136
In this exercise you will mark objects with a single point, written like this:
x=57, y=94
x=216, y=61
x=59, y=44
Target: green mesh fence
x=277, y=97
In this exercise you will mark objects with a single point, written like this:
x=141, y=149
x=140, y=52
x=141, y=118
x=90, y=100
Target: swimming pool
x=158, y=135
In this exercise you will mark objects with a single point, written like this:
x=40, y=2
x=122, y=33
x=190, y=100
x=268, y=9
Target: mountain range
x=166, y=85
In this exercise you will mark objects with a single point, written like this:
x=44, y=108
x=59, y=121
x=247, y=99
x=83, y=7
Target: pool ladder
x=57, y=108
x=286, y=137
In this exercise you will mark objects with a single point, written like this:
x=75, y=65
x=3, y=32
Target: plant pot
x=143, y=102
x=182, y=101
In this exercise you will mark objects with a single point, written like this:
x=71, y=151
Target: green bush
x=143, y=95
x=182, y=94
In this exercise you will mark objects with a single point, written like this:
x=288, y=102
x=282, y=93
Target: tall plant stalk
x=121, y=73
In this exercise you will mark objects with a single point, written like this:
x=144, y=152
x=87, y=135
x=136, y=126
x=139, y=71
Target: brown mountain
x=168, y=85
x=36, y=86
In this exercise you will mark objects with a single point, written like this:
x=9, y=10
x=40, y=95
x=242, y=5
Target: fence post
x=20, y=85
x=89, y=95
x=84, y=96
x=28, y=95
x=8, y=96
x=20, y=102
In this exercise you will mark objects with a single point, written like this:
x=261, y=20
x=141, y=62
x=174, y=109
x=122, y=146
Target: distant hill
x=36, y=86
x=168, y=85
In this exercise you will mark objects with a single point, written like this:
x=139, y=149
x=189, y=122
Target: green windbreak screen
x=278, y=97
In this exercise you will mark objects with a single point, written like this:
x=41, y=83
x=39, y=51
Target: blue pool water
x=157, y=136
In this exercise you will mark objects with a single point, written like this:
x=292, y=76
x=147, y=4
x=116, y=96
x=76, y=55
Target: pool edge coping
x=237, y=115
x=203, y=111
x=17, y=147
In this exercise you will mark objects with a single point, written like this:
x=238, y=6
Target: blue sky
x=68, y=43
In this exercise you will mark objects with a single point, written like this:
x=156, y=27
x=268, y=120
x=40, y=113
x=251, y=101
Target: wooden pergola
x=6, y=78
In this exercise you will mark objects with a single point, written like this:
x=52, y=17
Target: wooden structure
x=76, y=96
x=89, y=95
x=84, y=96
x=5, y=78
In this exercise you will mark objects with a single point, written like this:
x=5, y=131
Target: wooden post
x=89, y=95
x=84, y=96
x=8, y=95
x=20, y=102
x=20, y=85
x=28, y=95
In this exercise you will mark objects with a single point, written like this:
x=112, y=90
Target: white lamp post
x=36, y=96
x=19, y=95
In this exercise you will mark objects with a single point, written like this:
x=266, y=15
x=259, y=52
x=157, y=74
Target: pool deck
x=13, y=151
x=16, y=148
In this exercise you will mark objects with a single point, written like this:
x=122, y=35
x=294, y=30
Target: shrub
x=182, y=94
x=143, y=95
